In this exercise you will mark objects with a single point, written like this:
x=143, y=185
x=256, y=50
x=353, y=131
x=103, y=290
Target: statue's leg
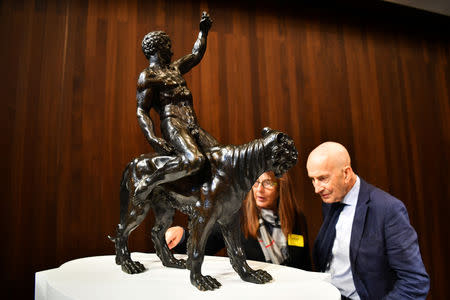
x=189, y=161
x=199, y=229
x=136, y=214
x=163, y=219
x=232, y=237
x=179, y=136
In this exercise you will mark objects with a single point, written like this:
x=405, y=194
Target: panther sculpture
x=213, y=195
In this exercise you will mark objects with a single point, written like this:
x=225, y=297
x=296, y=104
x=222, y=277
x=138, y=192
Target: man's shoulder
x=148, y=77
x=379, y=197
x=148, y=73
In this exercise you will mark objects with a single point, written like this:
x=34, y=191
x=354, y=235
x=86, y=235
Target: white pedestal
x=100, y=278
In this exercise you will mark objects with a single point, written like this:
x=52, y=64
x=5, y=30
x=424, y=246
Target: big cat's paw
x=205, y=283
x=257, y=276
x=175, y=263
x=132, y=267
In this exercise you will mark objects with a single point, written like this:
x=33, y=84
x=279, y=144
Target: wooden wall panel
x=373, y=77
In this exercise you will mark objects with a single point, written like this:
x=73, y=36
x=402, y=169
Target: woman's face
x=265, y=191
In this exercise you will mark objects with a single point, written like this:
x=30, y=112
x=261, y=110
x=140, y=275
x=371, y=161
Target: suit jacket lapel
x=359, y=220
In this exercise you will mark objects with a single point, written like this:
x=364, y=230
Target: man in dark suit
x=366, y=242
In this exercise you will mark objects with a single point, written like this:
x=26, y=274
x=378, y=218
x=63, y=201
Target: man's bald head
x=335, y=153
x=329, y=167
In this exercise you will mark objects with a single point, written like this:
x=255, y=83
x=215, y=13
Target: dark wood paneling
x=375, y=78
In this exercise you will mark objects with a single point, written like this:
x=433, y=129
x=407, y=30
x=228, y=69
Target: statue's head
x=280, y=151
x=157, y=42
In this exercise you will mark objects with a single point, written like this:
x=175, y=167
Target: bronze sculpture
x=213, y=195
x=191, y=171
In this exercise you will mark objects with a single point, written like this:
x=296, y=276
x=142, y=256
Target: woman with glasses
x=273, y=226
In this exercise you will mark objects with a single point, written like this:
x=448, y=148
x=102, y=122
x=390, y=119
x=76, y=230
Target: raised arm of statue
x=186, y=63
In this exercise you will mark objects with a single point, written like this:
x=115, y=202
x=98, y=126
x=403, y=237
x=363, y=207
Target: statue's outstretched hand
x=205, y=22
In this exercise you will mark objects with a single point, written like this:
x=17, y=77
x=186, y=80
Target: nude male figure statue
x=162, y=87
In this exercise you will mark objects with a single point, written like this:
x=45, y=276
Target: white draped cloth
x=100, y=278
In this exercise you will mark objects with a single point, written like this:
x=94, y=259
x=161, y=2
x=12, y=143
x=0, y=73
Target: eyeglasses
x=267, y=184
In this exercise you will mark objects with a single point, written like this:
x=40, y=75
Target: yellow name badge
x=296, y=240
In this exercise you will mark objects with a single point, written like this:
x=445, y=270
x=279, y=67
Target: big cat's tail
x=124, y=194
x=124, y=198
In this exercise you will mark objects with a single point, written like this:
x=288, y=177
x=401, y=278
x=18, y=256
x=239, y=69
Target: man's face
x=166, y=54
x=328, y=180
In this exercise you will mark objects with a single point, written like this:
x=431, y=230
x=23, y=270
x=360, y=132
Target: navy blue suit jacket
x=384, y=252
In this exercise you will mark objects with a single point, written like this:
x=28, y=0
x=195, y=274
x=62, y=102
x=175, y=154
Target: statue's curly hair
x=155, y=41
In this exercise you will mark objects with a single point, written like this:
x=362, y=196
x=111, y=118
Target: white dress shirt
x=340, y=270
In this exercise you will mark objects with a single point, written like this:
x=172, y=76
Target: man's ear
x=347, y=173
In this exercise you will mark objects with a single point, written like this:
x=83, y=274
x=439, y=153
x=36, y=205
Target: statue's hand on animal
x=212, y=195
x=162, y=146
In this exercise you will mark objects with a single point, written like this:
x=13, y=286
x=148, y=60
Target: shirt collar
x=352, y=196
